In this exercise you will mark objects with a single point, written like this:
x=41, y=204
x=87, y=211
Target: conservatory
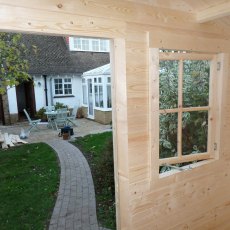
x=96, y=92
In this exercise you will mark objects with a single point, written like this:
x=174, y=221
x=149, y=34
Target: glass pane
x=95, y=45
x=194, y=132
x=196, y=83
x=67, y=80
x=96, y=96
x=168, y=84
x=109, y=103
x=101, y=96
x=168, y=135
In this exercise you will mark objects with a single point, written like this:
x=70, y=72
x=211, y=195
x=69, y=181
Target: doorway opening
x=25, y=99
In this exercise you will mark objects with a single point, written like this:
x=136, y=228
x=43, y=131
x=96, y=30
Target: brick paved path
x=75, y=208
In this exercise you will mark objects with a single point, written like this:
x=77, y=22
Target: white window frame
x=104, y=83
x=63, y=85
x=84, y=86
x=78, y=44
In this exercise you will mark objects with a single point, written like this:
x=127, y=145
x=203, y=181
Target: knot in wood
x=59, y=5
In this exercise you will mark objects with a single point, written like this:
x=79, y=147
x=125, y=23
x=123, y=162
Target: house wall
x=195, y=199
x=74, y=101
x=13, y=106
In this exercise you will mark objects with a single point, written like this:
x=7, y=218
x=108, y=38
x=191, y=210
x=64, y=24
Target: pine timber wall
x=198, y=199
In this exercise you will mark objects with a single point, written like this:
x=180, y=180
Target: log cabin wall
x=196, y=199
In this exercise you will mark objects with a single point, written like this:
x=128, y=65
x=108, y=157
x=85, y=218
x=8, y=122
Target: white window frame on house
x=64, y=85
x=98, y=92
x=98, y=82
x=84, y=92
x=109, y=96
x=89, y=44
x=212, y=109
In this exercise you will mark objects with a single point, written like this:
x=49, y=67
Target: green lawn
x=29, y=178
x=98, y=150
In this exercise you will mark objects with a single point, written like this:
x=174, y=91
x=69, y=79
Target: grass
x=29, y=177
x=98, y=150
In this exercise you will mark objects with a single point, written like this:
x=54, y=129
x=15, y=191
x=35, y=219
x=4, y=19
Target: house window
x=85, y=44
x=104, y=45
x=109, y=101
x=98, y=93
x=95, y=45
x=88, y=44
x=63, y=86
x=184, y=109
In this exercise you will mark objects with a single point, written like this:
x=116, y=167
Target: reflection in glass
x=194, y=132
x=168, y=84
x=195, y=83
x=168, y=135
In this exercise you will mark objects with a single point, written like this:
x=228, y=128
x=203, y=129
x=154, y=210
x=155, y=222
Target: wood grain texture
x=193, y=199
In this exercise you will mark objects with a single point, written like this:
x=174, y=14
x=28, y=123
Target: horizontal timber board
x=119, y=10
x=39, y=21
x=168, y=39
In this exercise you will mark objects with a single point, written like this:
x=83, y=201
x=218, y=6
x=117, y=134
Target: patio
x=84, y=127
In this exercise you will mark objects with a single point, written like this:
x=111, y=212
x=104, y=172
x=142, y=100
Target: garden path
x=75, y=207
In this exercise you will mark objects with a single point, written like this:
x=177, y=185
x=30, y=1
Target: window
x=63, y=86
x=184, y=109
x=85, y=44
x=109, y=101
x=88, y=44
x=95, y=45
x=98, y=92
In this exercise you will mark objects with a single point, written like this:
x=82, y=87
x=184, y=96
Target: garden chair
x=72, y=118
x=61, y=117
x=49, y=108
x=32, y=123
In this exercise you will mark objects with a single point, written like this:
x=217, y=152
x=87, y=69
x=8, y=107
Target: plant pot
x=65, y=136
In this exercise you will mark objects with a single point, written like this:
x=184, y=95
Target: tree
x=14, y=67
x=195, y=93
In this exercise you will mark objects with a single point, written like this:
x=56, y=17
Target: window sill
x=63, y=96
x=187, y=168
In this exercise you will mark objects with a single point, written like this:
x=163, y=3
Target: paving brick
x=75, y=208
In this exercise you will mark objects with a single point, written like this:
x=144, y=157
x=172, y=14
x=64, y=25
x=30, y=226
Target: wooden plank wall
x=198, y=199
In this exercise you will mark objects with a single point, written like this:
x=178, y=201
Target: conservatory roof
x=102, y=70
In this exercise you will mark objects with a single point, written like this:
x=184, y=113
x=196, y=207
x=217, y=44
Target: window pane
x=195, y=83
x=103, y=45
x=67, y=79
x=77, y=43
x=109, y=102
x=101, y=96
x=195, y=132
x=168, y=135
x=85, y=44
x=58, y=86
x=96, y=96
x=109, y=79
x=168, y=84
x=95, y=45
x=99, y=80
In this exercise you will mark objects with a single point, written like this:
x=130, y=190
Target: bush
x=41, y=114
x=60, y=105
